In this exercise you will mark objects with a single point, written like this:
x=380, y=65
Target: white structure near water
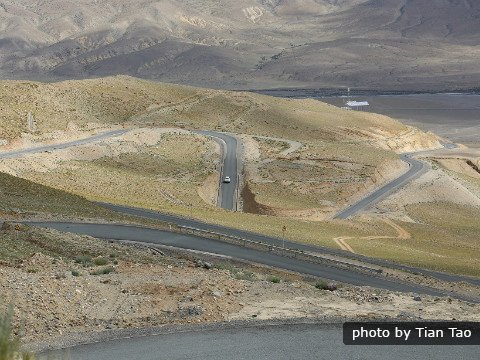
x=354, y=104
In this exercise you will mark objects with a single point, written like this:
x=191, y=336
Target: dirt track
x=401, y=234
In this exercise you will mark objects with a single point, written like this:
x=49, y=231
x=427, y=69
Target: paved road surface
x=91, y=139
x=182, y=221
x=230, y=167
x=155, y=236
x=416, y=169
x=228, y=192
x=302, y=342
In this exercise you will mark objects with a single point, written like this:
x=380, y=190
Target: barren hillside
x=121, y=100
x=337, y=154
x=304, y=161
x=246, y=43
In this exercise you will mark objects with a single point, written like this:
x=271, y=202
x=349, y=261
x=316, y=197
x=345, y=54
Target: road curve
x=155, y=236
x=416, y=168
x=228, y=192
x=39, y=149
x=192, y=223
x=266, y=342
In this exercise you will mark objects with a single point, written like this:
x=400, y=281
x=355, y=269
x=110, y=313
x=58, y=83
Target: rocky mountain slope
x=413, y=44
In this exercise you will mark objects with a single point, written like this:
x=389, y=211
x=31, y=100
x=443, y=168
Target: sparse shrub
x=245, y=275
x=274, y=279
x=60, y=276
x=100, y=261
x=7, y=226
x=84, y=260
x=32, y=271
x=236, y=273
x=322, y=285
x=224, y=266
x=75, y=273
x=104, y=271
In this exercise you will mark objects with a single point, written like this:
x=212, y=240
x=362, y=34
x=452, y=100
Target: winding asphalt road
x=47, y=148
x=227, y=198
x=230, y=168
x=278, y=342
x=228, y=191
x=159, y=237
x=191, y=223
x=416, y=168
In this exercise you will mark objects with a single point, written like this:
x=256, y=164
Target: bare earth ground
x=50, y=278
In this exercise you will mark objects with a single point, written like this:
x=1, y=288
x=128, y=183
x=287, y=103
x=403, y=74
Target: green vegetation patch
x=103, y=271
x=10, y=345
x=274, y=279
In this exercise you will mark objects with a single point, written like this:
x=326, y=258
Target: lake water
x=453, y=116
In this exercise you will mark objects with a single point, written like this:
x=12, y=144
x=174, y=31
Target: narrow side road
x=88, y=140
x=402, y=234
x=228, y=191
x=416, y=169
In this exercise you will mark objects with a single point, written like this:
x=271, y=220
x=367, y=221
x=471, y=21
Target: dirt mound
x=250, y=205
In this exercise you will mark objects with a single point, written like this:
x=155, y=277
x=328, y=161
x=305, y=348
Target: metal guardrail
x=278, y=250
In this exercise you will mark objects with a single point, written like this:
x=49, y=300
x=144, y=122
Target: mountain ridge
x=415, y=45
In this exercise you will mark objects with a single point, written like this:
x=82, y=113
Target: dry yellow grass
x=19, y=196
x=256, y=114
x=121, y=99
x=164, y=176
x=101, y=101
x=342, y=154
x=444, y=237
x=328, y=133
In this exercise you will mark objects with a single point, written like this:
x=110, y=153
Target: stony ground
x=110, y=286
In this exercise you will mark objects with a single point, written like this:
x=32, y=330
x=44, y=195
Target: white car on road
x=227, y=180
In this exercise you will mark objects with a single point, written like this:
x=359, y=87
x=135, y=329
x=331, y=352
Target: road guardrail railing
x=278, y=250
